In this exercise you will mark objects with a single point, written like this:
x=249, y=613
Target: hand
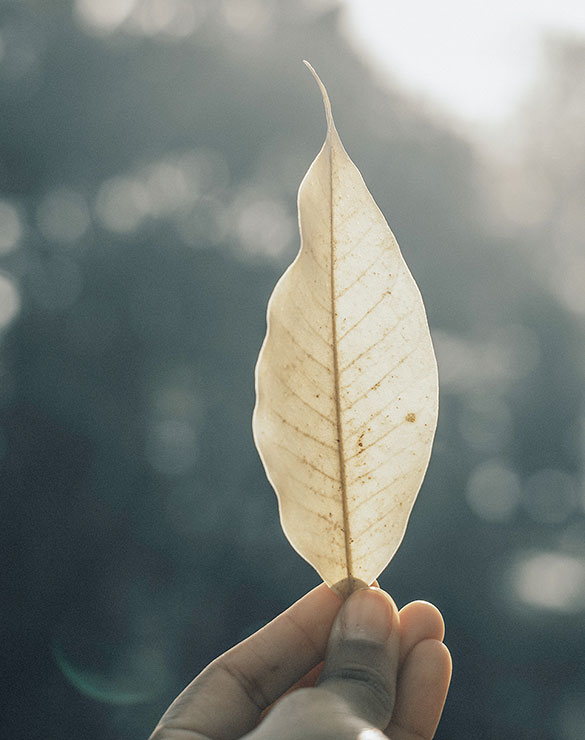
x=382, y=671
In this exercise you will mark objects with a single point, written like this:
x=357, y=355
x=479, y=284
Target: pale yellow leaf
x=346, y=380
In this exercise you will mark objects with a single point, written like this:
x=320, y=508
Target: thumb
x=361, y=662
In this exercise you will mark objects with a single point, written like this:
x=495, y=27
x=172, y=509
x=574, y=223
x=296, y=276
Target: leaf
x=346, y=381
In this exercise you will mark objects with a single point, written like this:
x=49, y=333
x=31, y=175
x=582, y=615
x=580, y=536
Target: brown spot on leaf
x=410, y=417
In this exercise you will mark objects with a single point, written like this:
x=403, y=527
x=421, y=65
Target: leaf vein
x=380, y=465
x=368, y=349
x=308, y=323
x=316, y=491
x=383, y=378
x=367, y=313
x=308, y=463
x=310, y=252
x=304, y=350
x=381, y=410
x=393, y=428
x=303, y=433
x=357, y=242
x=381, y=490
x=304, y=402
x=359, y=277
x=377, y=521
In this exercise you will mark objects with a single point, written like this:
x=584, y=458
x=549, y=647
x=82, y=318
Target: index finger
x=226, y=700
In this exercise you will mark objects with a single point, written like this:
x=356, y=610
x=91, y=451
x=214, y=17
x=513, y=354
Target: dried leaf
x=346, y=380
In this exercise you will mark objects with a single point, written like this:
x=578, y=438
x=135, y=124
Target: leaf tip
x=322, y=88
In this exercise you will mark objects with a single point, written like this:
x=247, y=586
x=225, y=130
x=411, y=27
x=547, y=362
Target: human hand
x=382, y=671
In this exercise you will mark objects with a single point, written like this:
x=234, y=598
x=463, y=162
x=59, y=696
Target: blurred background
x=150, y=153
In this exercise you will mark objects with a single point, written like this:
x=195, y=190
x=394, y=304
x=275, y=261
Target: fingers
x=309, y=679
x=334, y=709
x=422, y=688
x=362, y=656
x=362, y=661
x=419, y=621
x=228, y=697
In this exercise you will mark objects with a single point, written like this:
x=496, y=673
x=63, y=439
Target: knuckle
x=251, y=686
x=366, y=691
x=367, y=679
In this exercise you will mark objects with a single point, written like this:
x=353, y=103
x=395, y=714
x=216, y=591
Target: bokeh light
x=248, y=17
x=508, y=354
x=167, y=18
x=168, y=187
x=151, y=152
x=9, y=300
x=180, y=186
x=103, y=15
x=493, y=491
x=173, y=18
x=263, y=225
x=121, y=204
x=548, y=581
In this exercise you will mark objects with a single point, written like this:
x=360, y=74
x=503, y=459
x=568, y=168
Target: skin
x=323, y=670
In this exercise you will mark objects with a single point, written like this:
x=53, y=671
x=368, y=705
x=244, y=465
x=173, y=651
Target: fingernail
x=368, y=615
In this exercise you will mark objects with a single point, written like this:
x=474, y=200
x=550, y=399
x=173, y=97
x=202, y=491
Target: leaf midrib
x=336, y=376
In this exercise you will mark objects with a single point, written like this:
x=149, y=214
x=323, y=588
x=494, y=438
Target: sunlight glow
x=474, y=59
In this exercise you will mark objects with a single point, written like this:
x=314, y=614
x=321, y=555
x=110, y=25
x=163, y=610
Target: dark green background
x=154, y=176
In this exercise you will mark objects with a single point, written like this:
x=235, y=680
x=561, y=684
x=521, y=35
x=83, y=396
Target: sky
x=474, y=58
